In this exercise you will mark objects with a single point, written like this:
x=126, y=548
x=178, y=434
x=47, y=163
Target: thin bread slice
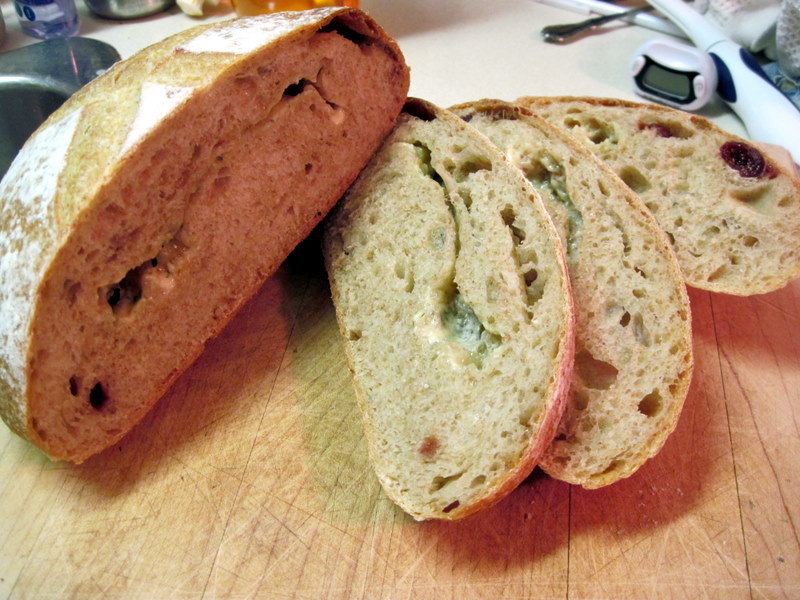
x=731, y=211
x=633, y=347
x=453, y=300
x=155, y=202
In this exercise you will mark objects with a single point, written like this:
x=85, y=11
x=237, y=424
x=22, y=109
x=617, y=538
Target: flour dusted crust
x=153, y=204
x=732, y=233
x=633, y=338
x=453, y=300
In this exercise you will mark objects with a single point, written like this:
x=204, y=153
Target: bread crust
x=414, y=237
x=733, y=231
x=633, y=338
x=144, y=213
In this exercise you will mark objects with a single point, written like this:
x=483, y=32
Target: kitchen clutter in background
x=771, y=27
x=37, y=78
x=47, y=19
x=769, y=115
x=128, y=9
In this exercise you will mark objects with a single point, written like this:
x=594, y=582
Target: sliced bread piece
x=731, y=212
x=154, y=203
x=453, y=300
x=633, y=342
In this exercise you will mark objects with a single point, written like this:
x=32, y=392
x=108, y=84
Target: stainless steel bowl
x=35, y=80
x=127, y=9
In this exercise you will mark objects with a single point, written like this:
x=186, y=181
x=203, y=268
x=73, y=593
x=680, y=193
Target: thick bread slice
x=731, y=212
x=453, y=299
x=633, y=348
x=156, y=201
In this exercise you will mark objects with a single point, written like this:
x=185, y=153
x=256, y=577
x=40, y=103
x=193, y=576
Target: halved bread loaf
x=453, y=300
x=156, y=201
x=633, y=349
x=731, y=212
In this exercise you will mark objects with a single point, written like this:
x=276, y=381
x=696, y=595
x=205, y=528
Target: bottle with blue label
x=47, y=19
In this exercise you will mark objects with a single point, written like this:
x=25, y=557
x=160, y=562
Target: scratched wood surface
x=250, y=480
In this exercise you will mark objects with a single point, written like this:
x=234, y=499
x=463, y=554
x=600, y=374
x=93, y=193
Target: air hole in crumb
x=466, y=198
x=71, y=290
x=441, y=481
x=750, y=241
x=509, y=218
x=98, y=396
x=634, y=179
x=526, y=416
x=74, y=385
x=759, y=198
x=424, y=159
x=338, y=27
x=625, y=319
x=353, y=335
x=640, y=332
x=122, y=296
x=597, y=131
x=531, y=275
x=615, y=464
x=295, y=89
x=717, y=274
x=578, y=401
x=596, y=373
x=479, y=480
x=651, y=404
x=308, y=168
x=471, y=166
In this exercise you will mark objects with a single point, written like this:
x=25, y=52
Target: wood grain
x=250, y=480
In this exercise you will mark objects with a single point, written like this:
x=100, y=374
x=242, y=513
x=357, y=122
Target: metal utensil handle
x=560, y=33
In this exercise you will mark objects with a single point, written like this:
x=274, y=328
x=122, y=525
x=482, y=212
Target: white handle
x=767, y=114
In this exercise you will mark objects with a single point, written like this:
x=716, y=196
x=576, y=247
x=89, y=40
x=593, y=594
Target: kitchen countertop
x=250, y=478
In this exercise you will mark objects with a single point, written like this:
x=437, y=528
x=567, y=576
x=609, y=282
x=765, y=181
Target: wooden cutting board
x=250, y=480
